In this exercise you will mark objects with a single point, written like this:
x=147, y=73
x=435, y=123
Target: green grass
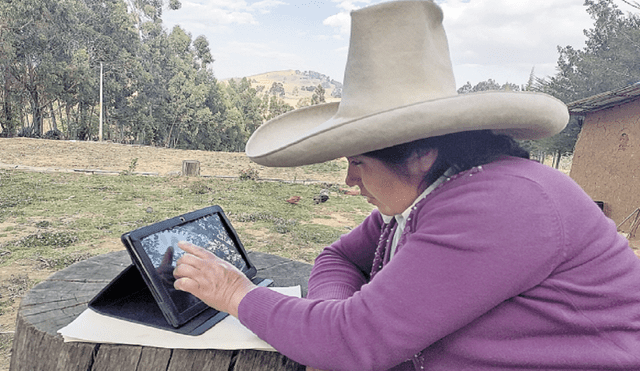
x=57, y=219
x=326, y=167
x=14, y=288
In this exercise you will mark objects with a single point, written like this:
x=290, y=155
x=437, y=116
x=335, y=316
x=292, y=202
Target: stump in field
x=190, y=168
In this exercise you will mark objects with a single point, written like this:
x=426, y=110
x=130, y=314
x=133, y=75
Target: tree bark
x=53, y=117
x=557, y=157
x=37, y=111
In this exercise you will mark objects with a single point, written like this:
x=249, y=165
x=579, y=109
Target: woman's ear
x=419, y=164
x=425, y=161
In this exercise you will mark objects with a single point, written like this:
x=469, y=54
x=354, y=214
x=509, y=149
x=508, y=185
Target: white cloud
x=225, y=4
x=350, y=5
x=521, y=27
x=212, y=14
x=259, y=51
x=509, y=38
x=217, y=13
x=265, y=6
x=342, y=20
x=224, y=17
x=342, y=50
x=239, y=59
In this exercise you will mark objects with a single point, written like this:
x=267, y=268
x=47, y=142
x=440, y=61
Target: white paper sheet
x=228, y=334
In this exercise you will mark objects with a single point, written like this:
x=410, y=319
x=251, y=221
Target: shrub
x=53, y=134
x=52, y=239
x=249, y=174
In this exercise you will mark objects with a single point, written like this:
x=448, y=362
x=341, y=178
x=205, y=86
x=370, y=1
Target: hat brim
x=315, y=134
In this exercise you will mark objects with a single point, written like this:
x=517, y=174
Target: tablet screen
x=207, y=232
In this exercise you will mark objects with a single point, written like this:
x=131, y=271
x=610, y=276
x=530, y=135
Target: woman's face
x=392, y=192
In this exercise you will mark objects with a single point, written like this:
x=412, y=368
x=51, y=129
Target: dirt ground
x=54, y=155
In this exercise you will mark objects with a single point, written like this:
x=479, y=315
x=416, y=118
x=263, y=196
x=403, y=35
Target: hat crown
x=398, y=87
x=398, y=55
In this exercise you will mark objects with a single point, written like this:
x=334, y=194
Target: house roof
x=605, y=100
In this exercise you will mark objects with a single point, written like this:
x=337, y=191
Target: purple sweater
x=507, y=266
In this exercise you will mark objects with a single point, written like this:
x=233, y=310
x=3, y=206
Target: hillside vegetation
x=295, y=87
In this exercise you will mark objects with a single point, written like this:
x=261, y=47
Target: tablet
x=154, y=250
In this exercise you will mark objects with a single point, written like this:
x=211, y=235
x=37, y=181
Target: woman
x=475, y=259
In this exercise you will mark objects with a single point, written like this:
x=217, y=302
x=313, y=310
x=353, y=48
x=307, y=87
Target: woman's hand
x=214, y=281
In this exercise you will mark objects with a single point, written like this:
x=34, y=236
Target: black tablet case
x=128, y=297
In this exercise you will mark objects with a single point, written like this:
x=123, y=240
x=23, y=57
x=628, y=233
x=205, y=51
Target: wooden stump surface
x=57, y=301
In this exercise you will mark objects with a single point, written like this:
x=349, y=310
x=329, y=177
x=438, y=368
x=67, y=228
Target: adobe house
x=606, y=160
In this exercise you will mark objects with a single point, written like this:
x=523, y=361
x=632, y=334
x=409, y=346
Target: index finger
x=195, y=250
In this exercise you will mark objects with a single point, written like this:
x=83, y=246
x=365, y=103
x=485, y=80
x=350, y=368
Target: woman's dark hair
x=460, y=151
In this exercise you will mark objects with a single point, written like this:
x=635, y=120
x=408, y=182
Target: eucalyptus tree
x=609, y=59
x=111, y=39
x=184, y=105
x=36, y=36
x=274, y=106
x=145, y=11
x=489, y=84
x=9, y=96
x=243, y=114
x=188, y=93
x=318, y=95
x=51, y=54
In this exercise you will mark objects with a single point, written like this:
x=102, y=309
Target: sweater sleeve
x=472, y=247
x=342, y=268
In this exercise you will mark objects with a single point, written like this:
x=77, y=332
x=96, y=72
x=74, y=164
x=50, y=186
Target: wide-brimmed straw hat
x=398, y=87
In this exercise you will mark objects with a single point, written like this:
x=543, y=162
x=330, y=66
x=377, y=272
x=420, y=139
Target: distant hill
x=296, y=85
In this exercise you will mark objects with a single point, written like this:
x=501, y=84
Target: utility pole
x=100, y=129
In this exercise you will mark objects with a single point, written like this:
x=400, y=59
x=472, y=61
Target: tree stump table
x=57, y=301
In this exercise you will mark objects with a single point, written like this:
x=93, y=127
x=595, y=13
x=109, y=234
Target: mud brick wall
x=606, y=161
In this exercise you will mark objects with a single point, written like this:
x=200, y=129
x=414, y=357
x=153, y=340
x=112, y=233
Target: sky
x=503, y=40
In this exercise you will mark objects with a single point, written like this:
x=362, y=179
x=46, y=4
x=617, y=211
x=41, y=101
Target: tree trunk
x=168, y=142
x=83, y=129
x=90, y=122
x=24, y=119
x=557, y=157
x=106, y=133
x=37, y=111
x=53, y=117
x=60, y=114
x=8, y=129
x=76, y=122
x=67, y=109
